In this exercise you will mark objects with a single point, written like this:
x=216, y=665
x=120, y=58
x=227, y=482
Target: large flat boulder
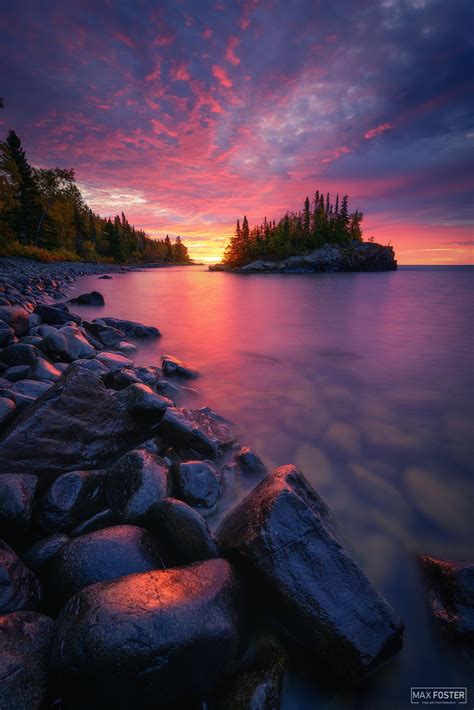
x=282, y=538
x=130, y=328
x=151, y=639
x=201, y=432
x=77, y=424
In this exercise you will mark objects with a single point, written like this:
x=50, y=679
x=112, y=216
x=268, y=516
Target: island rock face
x=356, y=256
x=154, y=637
x=282, y=538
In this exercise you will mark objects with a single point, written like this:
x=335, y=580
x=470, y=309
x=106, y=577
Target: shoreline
x=101, y=457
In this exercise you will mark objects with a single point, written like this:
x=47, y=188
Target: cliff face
x=357, y=256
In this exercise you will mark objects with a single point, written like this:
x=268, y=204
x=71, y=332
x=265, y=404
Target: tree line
x=43, y=209
x=320, y=222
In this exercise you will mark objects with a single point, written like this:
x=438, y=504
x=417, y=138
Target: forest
x=43, y=215
x=320, y=222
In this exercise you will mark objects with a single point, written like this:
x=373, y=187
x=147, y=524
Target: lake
x=365, y=381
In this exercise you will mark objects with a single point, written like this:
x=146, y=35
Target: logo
x=438, y=696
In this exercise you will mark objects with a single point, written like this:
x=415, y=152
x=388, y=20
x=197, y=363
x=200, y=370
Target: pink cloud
x=207, y=34
x=336, y=154
x=122, y=37
x=221, y=76
x=163, y=40
x=377, y=131
x=230, y=54
x=179, y=72
x=154, y=74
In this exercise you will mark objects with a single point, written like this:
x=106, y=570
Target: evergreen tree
x=25, y=218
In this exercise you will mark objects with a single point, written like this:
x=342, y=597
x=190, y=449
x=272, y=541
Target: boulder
x=17, y=372
x=31, y=388
x=19, y=588
x=56, y=315
x=282, y=538
x=16, y=317
x=94, y=298
x=70, y=500
x=183, y=532
x=37, y=555
x=98, y=557
x=17, y=491
x=41, y=369
x=172, y=367
x=19, y=354
x=114, y=361
x=119, y=379
x=129, y=327
x=197, y=433
x=451, y=596
x=77, y=424
x=249, y=462
x=105, y=276
x=25, y=640
x=151, y=639
x=134, y=483
x=7, y=412
x=109, y=337
x=67, y=344
x=103, y=519
x=142, y=402
x=7, y=334
x=198, y=483
x=258, y=684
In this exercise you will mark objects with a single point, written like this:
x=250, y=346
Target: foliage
x=43, y=216
x=319, y=223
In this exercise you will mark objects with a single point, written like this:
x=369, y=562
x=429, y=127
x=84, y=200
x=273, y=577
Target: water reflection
x=365, y=382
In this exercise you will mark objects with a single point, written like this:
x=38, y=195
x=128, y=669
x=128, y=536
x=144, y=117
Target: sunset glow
x=188, y=116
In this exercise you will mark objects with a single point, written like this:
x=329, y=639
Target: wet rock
x=25, y=640
x=7, y=334
x=19, y=354
x=119, y=379
x=172, y=367
x=114, y=361
x=17, y=492
x=100, y=556
x=198, y=483
x=259, y=683
x=105, y=276
x=17, y=372
x=142, y=402
x=183, y=532
x=134, y=483
x=56, y=315
x=7, y=412
x=39, y=440
x=103, y=519
x=168, y=389
x=70, y=500
x=451, y=596
x=15, y=317
x=43, y=370
x=22, y=401
x=94, y=298
x=19, y=588
x=31, y=388
x=37, y=555
x=67, y=344
x=249, y=462
x=34, y=320
x=282, y=538
x=130, y=328
x=109, y=337
x=152, y=639
x=197, y=433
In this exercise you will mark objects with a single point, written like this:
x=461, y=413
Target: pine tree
x=27, y=214
x=307, y=220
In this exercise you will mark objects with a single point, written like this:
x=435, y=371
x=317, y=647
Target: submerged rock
x=151, y=639
x=134, y=483
x=94, y=298
x=77, y=424
x=25, y=639
x=19, y=588
x=100, y=556
x=172, y=367
x=130, y=328
x=451, y=596
x=281, y=536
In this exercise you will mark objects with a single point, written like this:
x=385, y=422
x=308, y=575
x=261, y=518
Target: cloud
x=230, y=54
x=377, y=131
x=221, y=76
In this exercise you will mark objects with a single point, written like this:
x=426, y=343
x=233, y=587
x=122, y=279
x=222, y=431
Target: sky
x=188, y=114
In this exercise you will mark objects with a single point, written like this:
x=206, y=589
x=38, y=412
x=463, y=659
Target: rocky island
x=117, y=587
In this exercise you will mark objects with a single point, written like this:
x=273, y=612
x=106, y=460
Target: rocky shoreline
x=353, y=257
x=114, y=591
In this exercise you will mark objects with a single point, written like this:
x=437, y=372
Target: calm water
x=365, y=381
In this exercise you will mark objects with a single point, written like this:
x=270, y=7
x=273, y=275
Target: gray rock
x=19, y=588
x=103, y=519
x=134, y=483
x=7, y=412
x=37, y=555
x=17, y=372
x=19, y=354
x=56, y=315
x=152, y=639
x=196, y=433
x=44, y=370
x=94, y=298
x=31, y=388
x=17, y=491
x=142, y=402
x=130, y=328
x=71, y=499
x=67, y=344
x=100, y=556
x=114, y=361
x=282, y=538
x=198, y=483
x=15, y=317
x=249, y=462
x=25, y=640
x=172, y=367
x=7, y=334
